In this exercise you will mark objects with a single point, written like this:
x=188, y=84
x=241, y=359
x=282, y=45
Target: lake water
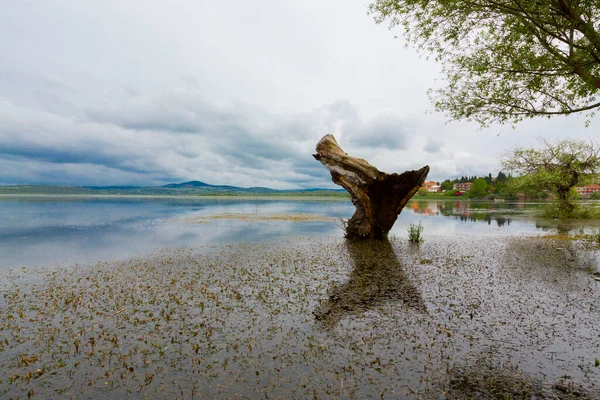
x=217, y=298
x=53, y=230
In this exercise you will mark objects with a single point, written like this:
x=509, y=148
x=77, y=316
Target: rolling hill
x=191, y=188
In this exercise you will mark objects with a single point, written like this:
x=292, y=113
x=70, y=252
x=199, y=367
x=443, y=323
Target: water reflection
x=454, y=207
x=48, y=230
x=56, y=230
x=463, y=217
x=377, y=277
x=565, y=227
x=469, y=211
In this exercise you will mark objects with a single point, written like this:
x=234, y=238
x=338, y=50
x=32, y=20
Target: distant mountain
x=219, y=188
x=253, y=189
x=190, y=184
x=191, y=188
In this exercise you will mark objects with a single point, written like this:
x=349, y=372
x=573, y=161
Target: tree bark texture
x=377, y=196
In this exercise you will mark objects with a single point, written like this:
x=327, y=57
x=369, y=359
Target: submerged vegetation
x=309, y=318
x=414, y=233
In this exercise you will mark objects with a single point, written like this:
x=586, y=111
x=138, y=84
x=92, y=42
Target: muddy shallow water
x=310, y=317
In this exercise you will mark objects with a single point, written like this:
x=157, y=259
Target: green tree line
x=554, y=170
x=502, y=186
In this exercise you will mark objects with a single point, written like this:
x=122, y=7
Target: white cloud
x=433, y=145
x=106, y=92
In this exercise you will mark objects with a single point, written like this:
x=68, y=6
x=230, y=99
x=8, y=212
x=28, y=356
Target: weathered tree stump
x=378, y=197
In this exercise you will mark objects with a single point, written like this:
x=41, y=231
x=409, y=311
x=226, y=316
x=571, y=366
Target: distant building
x=465, y=187
x=432, y=186
x=585, y=191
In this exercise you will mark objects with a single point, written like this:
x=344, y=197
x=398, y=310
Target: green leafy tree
x=488, y=179
x=595, y=196
x=506, y=60
x=501, y=177
x=478, y=189
x=557, y=167
x=447, y=185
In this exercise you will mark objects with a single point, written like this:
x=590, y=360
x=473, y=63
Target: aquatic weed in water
x=414, y=233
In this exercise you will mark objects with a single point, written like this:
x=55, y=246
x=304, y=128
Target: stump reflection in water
x=377, y=277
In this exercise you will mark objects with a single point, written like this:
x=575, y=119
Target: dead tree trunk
x=377, y=196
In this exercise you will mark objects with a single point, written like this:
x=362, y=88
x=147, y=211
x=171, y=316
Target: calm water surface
x=52, y=230
x=282, y=309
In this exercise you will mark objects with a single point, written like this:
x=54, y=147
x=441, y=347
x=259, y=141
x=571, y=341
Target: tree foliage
x=556, y=167
x=478, y=188
x=501, y=177
x=446, y=185
x=506, y=60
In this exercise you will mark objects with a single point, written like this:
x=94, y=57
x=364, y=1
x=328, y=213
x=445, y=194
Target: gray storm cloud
x=433, y=145
x=142, y=93
x=181, y=136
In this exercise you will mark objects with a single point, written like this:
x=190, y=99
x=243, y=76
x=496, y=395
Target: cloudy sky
x=103, y=92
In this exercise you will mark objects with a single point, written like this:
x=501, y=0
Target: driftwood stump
x=377, y=196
